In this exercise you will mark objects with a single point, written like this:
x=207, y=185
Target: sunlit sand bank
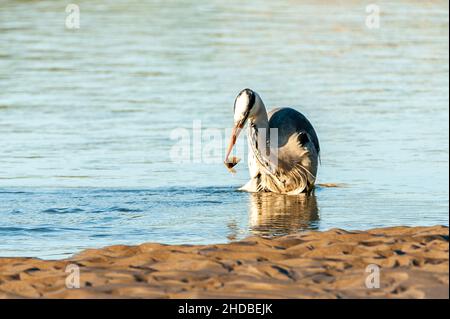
x=413, y=263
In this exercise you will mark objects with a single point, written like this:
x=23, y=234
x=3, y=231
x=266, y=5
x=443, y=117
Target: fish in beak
x=233, y=161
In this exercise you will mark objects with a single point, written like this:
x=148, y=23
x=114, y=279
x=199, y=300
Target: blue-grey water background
x=86, y=117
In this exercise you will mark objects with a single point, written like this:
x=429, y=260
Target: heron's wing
x=298, y=148
x=289, y=121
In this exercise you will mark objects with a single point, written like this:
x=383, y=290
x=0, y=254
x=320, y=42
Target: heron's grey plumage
x=290, y=167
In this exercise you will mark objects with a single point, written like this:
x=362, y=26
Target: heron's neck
x=261, y=120
x=259, y=131
x=259, y=136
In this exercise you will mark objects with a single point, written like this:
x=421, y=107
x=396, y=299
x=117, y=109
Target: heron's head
x=246, y=106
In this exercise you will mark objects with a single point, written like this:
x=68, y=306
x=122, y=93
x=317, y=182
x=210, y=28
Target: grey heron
x=283, y=146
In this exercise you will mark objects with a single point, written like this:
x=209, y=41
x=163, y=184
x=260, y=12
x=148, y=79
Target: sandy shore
x=413, y=264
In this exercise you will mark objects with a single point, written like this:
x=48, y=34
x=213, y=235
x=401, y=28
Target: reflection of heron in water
x=273, y=214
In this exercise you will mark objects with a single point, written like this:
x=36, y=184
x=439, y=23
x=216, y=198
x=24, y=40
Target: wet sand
x=332, y=264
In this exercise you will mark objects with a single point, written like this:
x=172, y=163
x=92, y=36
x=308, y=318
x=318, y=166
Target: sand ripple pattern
x=414, y=264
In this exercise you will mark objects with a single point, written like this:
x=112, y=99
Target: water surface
x=86, y=117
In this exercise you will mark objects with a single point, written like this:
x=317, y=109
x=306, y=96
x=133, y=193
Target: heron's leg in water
x=251, y=186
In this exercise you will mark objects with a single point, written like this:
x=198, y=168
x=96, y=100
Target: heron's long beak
x=234, y=135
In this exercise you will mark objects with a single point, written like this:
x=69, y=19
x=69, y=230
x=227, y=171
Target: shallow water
x=86, y=118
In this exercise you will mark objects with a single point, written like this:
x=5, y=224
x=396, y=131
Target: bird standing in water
x=283, y=146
